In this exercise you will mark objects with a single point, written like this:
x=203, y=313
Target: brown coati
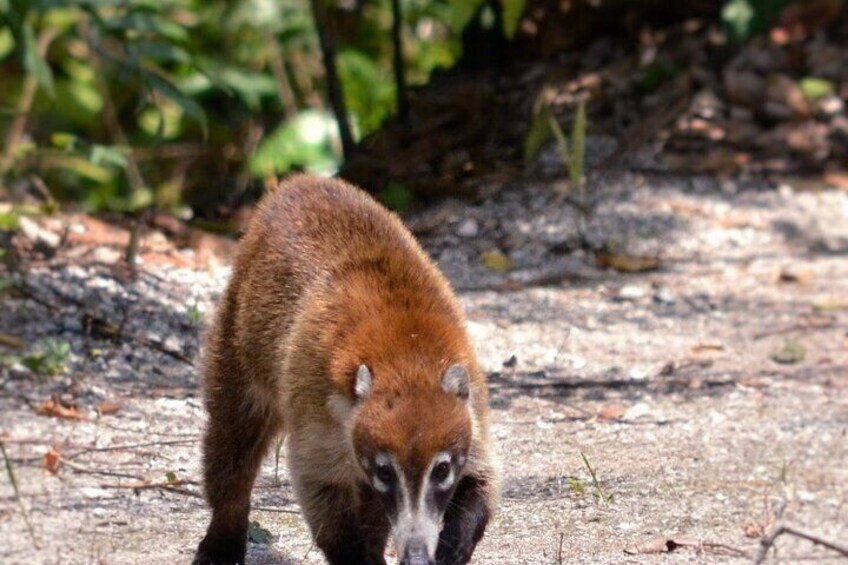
x=338, y=331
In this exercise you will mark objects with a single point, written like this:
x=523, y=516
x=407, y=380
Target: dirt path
x=665, y=381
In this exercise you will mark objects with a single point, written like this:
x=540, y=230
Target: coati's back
x=302, y=237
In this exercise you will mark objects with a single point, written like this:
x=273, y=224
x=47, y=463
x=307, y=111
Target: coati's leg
x=465, y=521
x=237, y=438
x=350, y=530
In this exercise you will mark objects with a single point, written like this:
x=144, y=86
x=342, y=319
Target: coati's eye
x=441, y=472
x=385, y=474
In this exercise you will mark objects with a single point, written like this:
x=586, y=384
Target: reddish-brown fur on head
x=412, y=431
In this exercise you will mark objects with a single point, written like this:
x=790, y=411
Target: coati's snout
x=414, y=454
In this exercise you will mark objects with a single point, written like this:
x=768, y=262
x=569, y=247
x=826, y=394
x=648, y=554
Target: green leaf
x=108, y=155
x=34, y=63
x=306, y=141
x=815, y=88
x=9, y=221
x=63, y=140
x=578, y=145
x=191, y=108
x=251, y=87
x=512, y=11
x=159, y=51
x=171, y=477
x=77, y=165
x=738, y=16
x=397, y=196
x=539, y=132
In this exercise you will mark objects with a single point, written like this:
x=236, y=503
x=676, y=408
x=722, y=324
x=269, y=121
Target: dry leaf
x=791, y=352
x=610, y=412
x=627, y=263
x=54, y=407
x=708, y=347
x=753, y=530
x=11, y=341
x=837, y=179
x=831, y=305
x=754, y=382
x=107, y=408
x=50, y=461
x=789, y=275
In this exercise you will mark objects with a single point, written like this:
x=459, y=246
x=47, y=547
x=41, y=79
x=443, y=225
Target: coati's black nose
x=416, y=554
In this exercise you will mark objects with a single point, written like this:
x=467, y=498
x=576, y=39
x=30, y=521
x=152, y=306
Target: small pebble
x=468, y=228
x=630, y=292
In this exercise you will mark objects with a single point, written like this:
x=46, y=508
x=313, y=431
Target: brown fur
x=326, y=280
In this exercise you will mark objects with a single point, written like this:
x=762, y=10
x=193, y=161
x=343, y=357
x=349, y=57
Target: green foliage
x=118, y=104
x=745, y=18
x=576, y=486
x=397, y=196
x=512, y=12
x=50, y=357
x=815, y=88
x=600, y=494
x=195, y=316
x=369, y=91
x=308, y=141
x=576, y=165
x=544, y=125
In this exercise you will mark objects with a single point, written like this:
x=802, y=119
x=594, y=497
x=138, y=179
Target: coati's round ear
x=362, y=386
x=456, y=380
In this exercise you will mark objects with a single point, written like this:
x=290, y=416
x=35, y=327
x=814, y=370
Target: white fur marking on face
x=362, y=388
x=456, y=381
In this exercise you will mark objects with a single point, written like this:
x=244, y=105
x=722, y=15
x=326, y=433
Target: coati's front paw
x=218, y=552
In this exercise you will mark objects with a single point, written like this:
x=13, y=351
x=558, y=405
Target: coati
x=338, y=331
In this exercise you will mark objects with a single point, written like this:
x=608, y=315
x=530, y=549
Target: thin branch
x=399, y=66
x=278, y=69
x=18, y=498
x=782, y=528
x=334, y=85
x=28, y=92
x=169, y=486
x=276, y=509
x=130, y=447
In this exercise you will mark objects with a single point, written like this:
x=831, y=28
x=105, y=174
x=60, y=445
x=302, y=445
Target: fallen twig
x=767, y=542
x=276, y=509
x=169, y=486
x=90, y=471
x=130, y=446
x=18, y=498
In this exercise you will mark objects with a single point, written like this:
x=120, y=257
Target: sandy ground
x=664, y=381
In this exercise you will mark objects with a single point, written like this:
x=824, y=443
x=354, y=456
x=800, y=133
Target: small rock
x=744, y=88
x=783, y=94
x=468, y=228
x=19, y=371
x=39, y=235
x=106, y=255
x=637, y=411
x=662, y=295
x=630, y=293
x=829, y=106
